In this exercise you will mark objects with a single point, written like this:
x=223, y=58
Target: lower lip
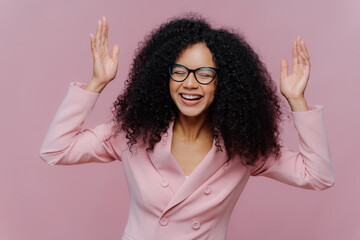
x=190, y=102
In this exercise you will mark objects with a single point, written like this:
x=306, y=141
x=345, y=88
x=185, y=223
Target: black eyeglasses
x=203, y=75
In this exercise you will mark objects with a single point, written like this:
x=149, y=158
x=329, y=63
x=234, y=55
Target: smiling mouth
x=190, y=97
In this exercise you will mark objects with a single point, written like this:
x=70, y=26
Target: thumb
x=115, y=52
x=284, y=69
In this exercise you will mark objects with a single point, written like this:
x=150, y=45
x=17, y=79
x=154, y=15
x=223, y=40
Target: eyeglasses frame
x=193, y=71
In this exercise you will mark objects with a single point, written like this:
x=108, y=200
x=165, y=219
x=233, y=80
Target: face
x=201, y=96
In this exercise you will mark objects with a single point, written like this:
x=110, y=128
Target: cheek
x=212, y=98
x=211, y=92
x=172, y=89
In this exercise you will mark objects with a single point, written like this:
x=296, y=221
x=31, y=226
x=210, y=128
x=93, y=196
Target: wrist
x=298, y=104
x=94, y=86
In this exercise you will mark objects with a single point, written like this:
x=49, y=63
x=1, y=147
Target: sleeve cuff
x=81, y=87
x=77, y=94
x=310, y=119
x=311, y=108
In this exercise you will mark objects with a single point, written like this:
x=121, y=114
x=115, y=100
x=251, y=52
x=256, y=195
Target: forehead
x=195, y=56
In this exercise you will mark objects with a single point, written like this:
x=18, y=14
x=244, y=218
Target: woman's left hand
x=293, y=85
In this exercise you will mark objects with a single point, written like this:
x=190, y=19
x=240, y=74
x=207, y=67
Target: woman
x=198, y=117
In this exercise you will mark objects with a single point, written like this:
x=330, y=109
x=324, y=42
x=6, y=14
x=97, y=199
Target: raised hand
x=105, y=65
x=293, y=85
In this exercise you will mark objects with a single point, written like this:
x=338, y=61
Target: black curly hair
x=245, y=113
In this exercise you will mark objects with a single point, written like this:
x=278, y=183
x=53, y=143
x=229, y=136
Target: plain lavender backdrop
x=45, y=45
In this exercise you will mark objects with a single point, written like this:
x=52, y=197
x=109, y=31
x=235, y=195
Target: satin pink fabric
x=163, y=203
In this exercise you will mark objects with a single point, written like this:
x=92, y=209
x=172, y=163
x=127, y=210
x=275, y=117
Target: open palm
x=105, y=66
x=293, y=85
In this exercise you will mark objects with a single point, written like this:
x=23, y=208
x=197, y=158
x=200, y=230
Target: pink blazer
x=163, y=203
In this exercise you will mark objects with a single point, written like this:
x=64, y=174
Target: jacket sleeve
x=66, y=143
x=311, y=168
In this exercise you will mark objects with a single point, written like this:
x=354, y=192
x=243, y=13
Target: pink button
x=164, y=183
x=195, y=224
x=164, y=221
x=207, y=189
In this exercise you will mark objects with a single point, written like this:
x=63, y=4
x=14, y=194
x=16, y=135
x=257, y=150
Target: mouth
x=192, y=97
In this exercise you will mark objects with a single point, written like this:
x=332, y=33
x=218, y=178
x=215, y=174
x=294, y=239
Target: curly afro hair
x=245, y=113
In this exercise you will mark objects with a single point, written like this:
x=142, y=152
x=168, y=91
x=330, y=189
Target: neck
x=190, y=129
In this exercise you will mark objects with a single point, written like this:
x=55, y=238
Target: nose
x=190, y=81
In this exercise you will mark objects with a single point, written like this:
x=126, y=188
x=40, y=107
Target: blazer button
x=164, y=221
x=164, y=183
x=207, y=189
x=195, y=224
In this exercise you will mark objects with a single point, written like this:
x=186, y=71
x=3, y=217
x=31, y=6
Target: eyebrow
x=195, y=68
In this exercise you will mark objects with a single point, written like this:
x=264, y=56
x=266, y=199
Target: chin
x=192, y=113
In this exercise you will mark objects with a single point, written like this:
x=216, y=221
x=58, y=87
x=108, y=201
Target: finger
x=92, y=43
x=115, y=52
x=284, y=69
x=294, y=54
x=94, y=51
x=303, y=47
x=98, y=32
x=106, y=37
x=304, y=59
x=299, y=52
x=103, y=30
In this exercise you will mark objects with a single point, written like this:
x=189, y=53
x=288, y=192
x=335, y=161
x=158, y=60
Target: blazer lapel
x=207, y=167
x=170, y=169
x=165, y=163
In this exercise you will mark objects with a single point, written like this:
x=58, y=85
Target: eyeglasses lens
x=203, y=75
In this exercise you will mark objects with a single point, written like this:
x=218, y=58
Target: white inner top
x=186, y=176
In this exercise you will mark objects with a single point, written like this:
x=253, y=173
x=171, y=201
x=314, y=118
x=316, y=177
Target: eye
x=204, y=75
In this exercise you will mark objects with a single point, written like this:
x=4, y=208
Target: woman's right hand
x=105, y=66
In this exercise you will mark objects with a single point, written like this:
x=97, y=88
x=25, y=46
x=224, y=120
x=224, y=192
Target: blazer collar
x=170, y=169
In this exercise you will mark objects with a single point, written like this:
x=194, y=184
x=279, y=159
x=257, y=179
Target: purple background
x=45, y=45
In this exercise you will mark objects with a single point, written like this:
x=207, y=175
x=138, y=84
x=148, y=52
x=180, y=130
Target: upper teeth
x=191, y=96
